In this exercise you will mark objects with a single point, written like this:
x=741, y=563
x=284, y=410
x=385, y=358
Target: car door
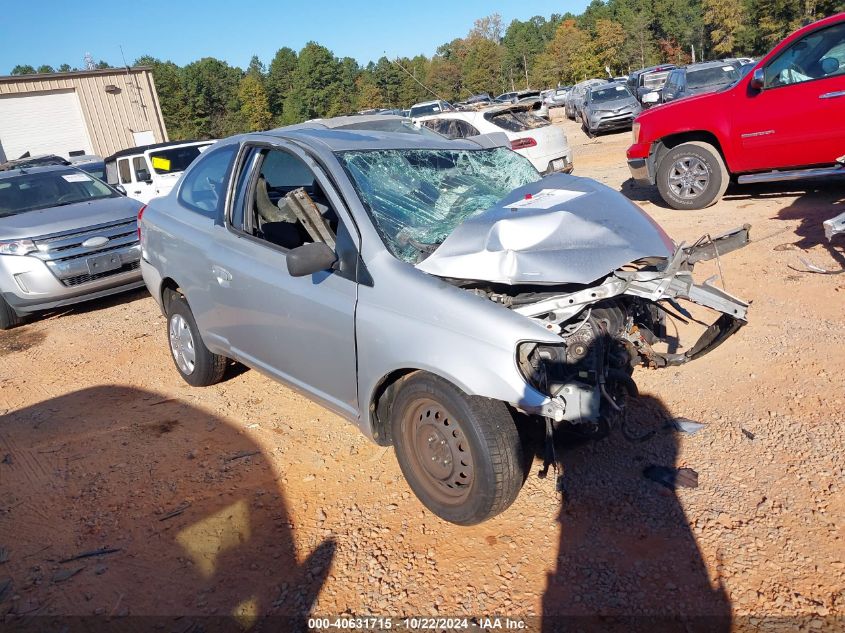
x=125, y=178
x=142, y=185
x=797, y=119
x=300, y=330
x=672, y=87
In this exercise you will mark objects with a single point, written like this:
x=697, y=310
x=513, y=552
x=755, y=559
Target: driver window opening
x=818, y=55
x=284, y=203
x=139, y=166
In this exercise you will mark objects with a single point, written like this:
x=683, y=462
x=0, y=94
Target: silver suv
x=65, y=237
x=424, y=289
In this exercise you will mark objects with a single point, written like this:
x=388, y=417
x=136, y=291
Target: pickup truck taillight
x=522, y=143
x=140, y=215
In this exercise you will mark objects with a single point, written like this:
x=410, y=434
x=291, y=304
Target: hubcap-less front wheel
x=689, y=177
x=440, y=453
x=182, y=344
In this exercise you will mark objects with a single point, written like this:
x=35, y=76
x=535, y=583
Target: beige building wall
x=118, y=105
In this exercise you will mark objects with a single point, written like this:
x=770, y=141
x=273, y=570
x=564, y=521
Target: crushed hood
x=570, y=230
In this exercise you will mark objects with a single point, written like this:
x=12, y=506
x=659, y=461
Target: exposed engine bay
x=608, y=329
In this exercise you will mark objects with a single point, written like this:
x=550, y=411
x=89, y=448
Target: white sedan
x=544, y=144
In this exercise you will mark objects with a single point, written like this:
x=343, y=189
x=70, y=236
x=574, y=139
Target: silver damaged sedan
x=425, y=289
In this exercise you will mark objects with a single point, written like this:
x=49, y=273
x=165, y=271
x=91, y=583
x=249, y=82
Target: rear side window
x=516, y=120
x=204, y=187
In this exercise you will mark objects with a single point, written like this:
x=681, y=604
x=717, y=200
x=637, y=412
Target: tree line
x=209, y=98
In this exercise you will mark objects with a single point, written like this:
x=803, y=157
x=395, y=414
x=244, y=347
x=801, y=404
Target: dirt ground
x=245, y=499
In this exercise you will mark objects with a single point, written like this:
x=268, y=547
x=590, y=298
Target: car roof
x=143, y=148
x=652, y=69
x=607, y=84
x=427, y=103
x=35, y=169
x=716, y=63
x=325, y=132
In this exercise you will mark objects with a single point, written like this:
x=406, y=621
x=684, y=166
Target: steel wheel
x=182, y=344
x=440, y=455
x=689, y=177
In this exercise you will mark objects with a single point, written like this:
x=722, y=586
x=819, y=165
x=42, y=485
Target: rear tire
x=8, y=317
x=692, y=176
x=460, y=454
x=195, y=363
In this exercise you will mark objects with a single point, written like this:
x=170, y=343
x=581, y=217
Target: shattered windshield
x=417, y=197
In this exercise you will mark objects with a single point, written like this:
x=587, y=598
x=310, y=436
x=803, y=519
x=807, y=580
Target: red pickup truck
x=785, y=120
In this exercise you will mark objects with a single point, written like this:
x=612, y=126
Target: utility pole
x=525, y=68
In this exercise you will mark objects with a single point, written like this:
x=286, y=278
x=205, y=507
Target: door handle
x=832, y=95
x=138, y=191
x=222, y=275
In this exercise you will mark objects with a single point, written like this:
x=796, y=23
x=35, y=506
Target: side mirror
x=121, y=190
x=651, y=97
x=310, y=258
x=757, y=79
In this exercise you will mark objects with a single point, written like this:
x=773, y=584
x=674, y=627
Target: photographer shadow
x=189, y=507
x=627, y=559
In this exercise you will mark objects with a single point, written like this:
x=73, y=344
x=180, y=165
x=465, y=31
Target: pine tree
x=280, y=79
x=255, y=109
x=724, y=20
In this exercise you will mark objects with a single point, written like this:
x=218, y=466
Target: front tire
x=195, y=363
x=461, y=455
x=8, y=317
x=692, y=176
x=586, y=126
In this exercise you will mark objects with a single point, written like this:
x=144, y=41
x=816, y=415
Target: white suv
x=544, y=144
x=151, y=171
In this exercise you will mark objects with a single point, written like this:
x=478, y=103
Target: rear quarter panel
x=175, y=243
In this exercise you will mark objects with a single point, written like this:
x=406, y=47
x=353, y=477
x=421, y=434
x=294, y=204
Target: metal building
x=81, y=112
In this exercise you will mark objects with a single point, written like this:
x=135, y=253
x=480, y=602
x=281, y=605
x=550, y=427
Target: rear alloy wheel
x=8, y=317
x=692, y=176
x=196, y=364
x=460, y=454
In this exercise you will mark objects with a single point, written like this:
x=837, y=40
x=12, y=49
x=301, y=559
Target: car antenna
x=405, y=70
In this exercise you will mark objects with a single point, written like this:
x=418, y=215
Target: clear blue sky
x=59, y=31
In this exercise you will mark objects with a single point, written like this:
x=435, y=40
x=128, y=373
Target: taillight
x=522, y=143
x=140, y=215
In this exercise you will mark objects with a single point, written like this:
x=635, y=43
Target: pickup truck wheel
x=460, y=454
x=692, y=176
x=198, y=366
x=8, y=317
